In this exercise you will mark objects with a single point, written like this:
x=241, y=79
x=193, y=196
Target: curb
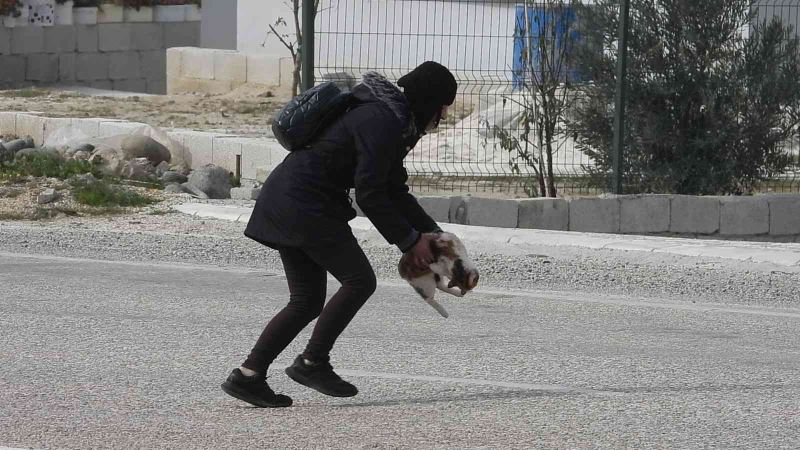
x=786, y=255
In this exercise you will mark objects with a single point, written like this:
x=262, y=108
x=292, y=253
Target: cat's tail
x=439, y=308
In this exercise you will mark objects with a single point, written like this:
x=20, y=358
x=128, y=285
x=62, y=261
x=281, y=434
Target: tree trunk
x=551, y=183
x=298, y=66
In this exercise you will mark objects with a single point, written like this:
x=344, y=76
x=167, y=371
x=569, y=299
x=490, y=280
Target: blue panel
x=539, y=18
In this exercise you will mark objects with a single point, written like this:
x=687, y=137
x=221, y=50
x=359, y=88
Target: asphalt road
x=99, y=354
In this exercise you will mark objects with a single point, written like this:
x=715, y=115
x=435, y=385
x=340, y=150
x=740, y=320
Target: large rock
x=19, y=144
x=173, y=177
x=5, y=154
x=174, y=188
x=138, y=146
x=162, y=168
x=189, y=189
x=38, y=151
x=110, y=160
x=137, y=168
x=213, y=180
x=87, y=148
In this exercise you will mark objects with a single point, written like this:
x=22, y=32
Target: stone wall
x=214, y=71
x=120, y=56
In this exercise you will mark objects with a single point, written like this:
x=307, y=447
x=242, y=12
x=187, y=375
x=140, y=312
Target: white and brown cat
x=451, y=262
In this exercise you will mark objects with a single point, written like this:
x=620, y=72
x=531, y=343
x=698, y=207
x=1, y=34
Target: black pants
x=306, y=271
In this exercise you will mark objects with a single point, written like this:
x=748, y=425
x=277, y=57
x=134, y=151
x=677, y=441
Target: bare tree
x=292, y=45
x=546, y=92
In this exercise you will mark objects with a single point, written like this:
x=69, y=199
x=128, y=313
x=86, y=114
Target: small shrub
x=45, y=166
x=105, y=195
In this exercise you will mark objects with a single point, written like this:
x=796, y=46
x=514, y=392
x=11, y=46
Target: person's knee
x=308, y=306
x=365, y=285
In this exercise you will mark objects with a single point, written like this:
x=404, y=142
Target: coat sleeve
x=377, y=138
x=407, y=203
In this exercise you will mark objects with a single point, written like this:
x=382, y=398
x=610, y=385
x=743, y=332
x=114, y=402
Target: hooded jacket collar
x=375, y=87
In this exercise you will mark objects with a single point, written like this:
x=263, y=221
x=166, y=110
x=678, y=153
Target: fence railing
x=484, y=45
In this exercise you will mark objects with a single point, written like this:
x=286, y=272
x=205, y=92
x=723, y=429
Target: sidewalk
x=787, y=255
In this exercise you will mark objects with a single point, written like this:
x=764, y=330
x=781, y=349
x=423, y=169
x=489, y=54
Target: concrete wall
x=192, y=69
x=219, y=28
x=120, y=56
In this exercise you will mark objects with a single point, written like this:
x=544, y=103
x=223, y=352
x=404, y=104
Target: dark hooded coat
x=305, y=201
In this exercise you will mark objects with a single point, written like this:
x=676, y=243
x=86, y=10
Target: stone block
x=492, y=212
x=27, y=40
x=644, y=214
x=88, y=38
x=744, y=216
x=42, y=68
x=8, y=122
x=263, y=69
x=154, y=65
x=130, y=85
x=262, y=173
x=124, y=65
x=53, y=125
x=90, y=127
x=224, y=151
x=245, y=193
x=693, y=214
x=174, y=62
x=597, y=215
x=544, y=214
x=257, y=153
x=106, y=85
x=91, y=66
x=157, y=87
x=5, y=41
x=784, y=215
x=181, y=34
x=199, y=144
x=436, y=207
x=230, y=66
x=114, y=37
x=12, y=69
x=66, y=66
x=147, y=36
x=30, y=125
x=198, y=63
x=117, y=127
x=60, y=39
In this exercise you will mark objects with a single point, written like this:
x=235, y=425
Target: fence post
x=307, y=46
x=619, y=111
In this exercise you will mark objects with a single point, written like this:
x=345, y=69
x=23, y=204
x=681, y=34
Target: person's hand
x=421, y=253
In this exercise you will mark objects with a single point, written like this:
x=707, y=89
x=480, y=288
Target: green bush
x=707, y=110
x=47, y=166
x=103, y=194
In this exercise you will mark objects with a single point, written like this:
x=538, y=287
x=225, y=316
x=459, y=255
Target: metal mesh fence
x=484, y=43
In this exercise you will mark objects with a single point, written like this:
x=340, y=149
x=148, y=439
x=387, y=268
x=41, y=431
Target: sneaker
x=321, y=377
x=254, y=390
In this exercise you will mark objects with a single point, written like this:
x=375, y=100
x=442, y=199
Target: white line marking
x=574, y=297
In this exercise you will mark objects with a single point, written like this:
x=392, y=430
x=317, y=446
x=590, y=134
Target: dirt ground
x=242, y=111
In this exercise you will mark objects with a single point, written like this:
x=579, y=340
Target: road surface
x=114, y=354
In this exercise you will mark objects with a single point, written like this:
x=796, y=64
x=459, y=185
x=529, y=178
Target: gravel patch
x=164, y=236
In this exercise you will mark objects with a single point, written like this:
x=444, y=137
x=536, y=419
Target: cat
x=451, y=262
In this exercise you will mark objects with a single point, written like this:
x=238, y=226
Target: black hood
x=375, y=87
